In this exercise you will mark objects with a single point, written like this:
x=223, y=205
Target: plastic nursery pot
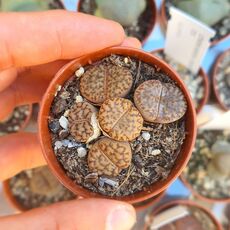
x=185, y=203
x=201, y=197
x=205, y=82
x=152, y=20
x=65, y=73
x=149, y=202
x=164, y=21
x=11, y=198
x=214, y=80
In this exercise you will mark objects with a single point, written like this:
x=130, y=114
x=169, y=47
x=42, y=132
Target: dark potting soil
x=223, y=80
x=194, y=82
x=222, y=27
x=55, y=4
x=154, y=152
x=30, y=196
x=139, y=29
x=15, y=120
x=196, y=172
x=196, y=220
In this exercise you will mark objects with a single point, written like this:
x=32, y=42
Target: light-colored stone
x=156, y=152
x=64, y=122
x=146, y=136
x=79, y=72
x=81, y=152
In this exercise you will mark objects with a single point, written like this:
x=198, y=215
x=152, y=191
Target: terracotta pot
x=65, y=73
x=11, y=198
x=205, y=81
x=164, y=21
x=149, y=202
x=200, y=196
x=185, y=203
x=214, y=81
x=152, y=20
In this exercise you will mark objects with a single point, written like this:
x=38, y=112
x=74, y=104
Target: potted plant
x=197, y=84
x=17, y=120
x=221, y=80
x=217, y=16
x=207, y=174
x=35, y=188
x=101, y=131
x=31, y=5
x=191, y=216
x=138, y=19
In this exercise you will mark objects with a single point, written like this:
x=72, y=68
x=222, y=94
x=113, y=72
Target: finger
x=132, y=42
x=7, y=77
x=79, y=214
x=19, y=152
x=23, y=90
x=53, y=35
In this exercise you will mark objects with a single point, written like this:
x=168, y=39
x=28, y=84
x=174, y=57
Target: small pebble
x=59, y=106
x=79, y=72
x=66, y=113
x=81, y=152
x=146, y=136
x=91, y=178
x=156, y=152
x=78, y=99
x=58, y=144
x=126, y=60
x=105, y=180
x=54, y=126
x=64, y=122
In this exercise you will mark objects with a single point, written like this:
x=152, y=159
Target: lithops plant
x=44, y=183
x=83, y=122
x=217, y=9
x=122, y=11
x=120, y=120
x=102, y=82
x=219, y=167
x=109, y=157
x=160, y=102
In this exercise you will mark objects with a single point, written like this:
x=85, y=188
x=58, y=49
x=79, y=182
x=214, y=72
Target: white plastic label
x=187, y=39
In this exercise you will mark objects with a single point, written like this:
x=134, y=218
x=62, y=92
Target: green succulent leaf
x=125, y=12
x=24, y=5
x=207, y=11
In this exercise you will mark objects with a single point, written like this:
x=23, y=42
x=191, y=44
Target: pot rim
x=214, y=81
x=64, y=74
x=153, y=19
x=11, y=198
x=205, y=84
x=164, y=20
x=184, y=202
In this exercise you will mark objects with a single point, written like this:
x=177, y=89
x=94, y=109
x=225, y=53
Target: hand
x=33, y=46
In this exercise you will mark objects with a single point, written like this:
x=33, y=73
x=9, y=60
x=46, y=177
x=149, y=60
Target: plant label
x=187, y=39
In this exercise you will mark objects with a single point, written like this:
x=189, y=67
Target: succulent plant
x=207, y=11
x=123, y=11
x=24, y=5
x=220, y=164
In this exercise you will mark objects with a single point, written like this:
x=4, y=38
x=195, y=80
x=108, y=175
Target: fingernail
x=121, y=218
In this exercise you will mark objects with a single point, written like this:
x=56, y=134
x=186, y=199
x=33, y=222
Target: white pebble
x=58, y=144
x=126, y=60
x=79, y=72
x=64, y=122
x=66, y=114
x=81, y=152
x=146, y=136
x=156, y=152
x=78, y=99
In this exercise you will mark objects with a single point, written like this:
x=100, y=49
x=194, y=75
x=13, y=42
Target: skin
x=29, y=45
